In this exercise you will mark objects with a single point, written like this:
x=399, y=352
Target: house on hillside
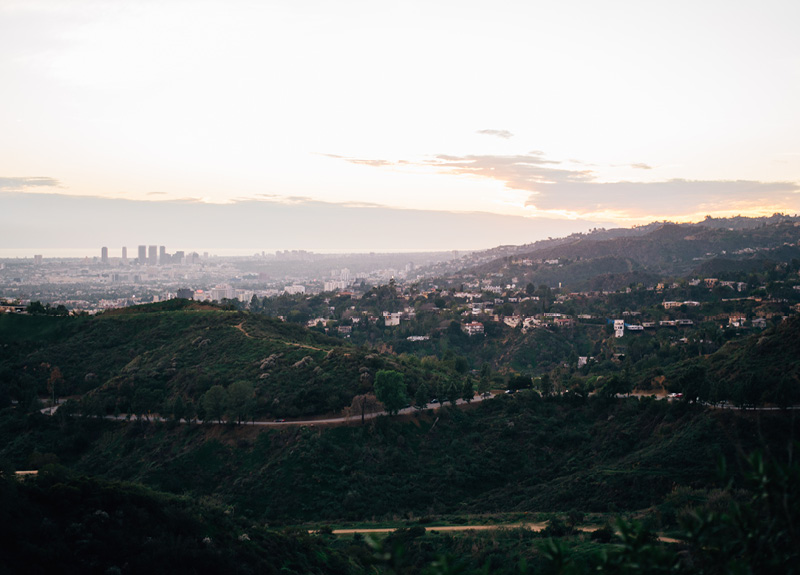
x=737, y=320
x=391, y=319
x=473, y=328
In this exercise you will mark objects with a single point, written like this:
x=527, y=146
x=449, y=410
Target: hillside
x=60, y=523
x=514, y=453
x=661, y=250
x=142, y=359
x=760, y=369
x=520, y=455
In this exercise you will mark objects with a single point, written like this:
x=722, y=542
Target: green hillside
x=141, y=360
x=596, y=261
x=515, y=453
x=761, y=369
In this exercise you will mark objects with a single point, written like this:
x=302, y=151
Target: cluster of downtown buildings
x=152, y=256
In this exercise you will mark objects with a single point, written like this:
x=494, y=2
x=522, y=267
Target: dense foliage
x=59, y=523
x=144, y=360
x=513, y=453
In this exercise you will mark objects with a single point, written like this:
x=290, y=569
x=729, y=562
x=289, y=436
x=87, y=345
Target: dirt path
x=341, y=420
x=531, y=526
x=536, y=527
x=240, y=327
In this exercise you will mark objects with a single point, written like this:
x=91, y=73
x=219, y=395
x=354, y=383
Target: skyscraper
x=142, y=255
x=124, y=255
x=152, y=255
x=104, y=255
x=162, y=255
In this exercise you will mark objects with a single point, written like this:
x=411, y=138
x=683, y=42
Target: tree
x=453, y=391
x=485, y=381
x=467, y=390
x=214, y=403
x=239, y=401
x=693, y=383
x=190, y=412
x=484, y=385
x=421, y=397
x=390, y=389
x=363, y=404
x=178, y=409
x=519, y=382
x=546, y=385
x=55, y=378
x=460, y=364
x=35, y=308
x=616, y=385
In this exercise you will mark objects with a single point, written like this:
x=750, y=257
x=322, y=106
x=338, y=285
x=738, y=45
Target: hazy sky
x=620, y=112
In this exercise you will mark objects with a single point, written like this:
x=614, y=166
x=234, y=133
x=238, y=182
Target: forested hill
x=603, y=234
x=665, y=250
x=144, y=359
x=761, y=369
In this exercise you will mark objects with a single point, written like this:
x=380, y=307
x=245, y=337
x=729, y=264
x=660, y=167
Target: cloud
x=375, y=163
x=673, y=198
x=558, y=190
x=275, y=198
x=362, y=205
x=576, y=193
x=519, y=172
x=298, y=200
x=156, y=193
x=21, y=184
x=505, y=134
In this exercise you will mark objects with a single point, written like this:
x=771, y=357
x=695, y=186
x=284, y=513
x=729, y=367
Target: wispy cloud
x=299, y=200
x=375, y=163
x=276, y=198
x=21, y=184
x=558, y=190
x=505, y=134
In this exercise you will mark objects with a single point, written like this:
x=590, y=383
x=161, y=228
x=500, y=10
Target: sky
x=571, y=113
